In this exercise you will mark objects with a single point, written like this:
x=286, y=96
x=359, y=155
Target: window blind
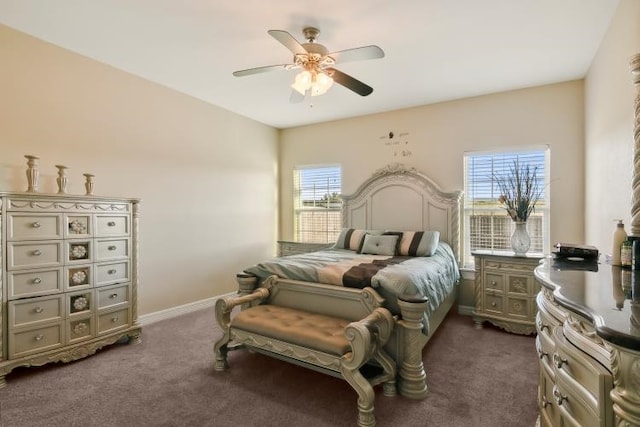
x=317, y=203
x=486, y=224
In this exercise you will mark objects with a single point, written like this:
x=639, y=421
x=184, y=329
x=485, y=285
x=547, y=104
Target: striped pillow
x=418, y=243
x=353, y=238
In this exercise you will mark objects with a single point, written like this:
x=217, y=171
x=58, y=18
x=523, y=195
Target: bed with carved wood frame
x=393, y=198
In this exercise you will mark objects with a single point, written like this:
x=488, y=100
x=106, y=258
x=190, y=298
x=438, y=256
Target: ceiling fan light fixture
x=317, y=82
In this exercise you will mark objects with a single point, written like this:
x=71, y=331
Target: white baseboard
x=168, y=313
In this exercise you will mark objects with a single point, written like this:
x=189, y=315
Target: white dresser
x=69, y=277
x=588, y=342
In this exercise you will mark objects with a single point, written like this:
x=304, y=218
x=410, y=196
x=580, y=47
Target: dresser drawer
x=112, y=225
x=78, y=277
x=494, y=281
x=78, y=251
x=80, y=329
x=575, y=411
x=35, y=310
x=23, y=255
x=33, y=283
x=114, y=320
x=111, y=273
x=78, y=226
x=24, y=226
x=588, y=380
x=112, y=249
x=25, y=342
x=79, y=303
x=113, y=295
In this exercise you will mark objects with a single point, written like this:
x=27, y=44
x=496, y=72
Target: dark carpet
x=476, y=378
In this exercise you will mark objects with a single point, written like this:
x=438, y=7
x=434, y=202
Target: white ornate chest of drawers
x=69, y=277
x=588, y=344
x=505, y=291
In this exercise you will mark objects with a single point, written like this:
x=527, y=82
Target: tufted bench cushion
x=315, y=331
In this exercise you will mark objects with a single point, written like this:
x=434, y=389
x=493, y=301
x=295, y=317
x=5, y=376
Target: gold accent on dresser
x=70, y=271
x=505, y=291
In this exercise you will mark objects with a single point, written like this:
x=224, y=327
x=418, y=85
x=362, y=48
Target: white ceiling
x=435, y=50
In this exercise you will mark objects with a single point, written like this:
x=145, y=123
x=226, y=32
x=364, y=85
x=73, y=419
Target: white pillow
x=379, y=245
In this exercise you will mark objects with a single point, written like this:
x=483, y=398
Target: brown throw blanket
x=359, y=276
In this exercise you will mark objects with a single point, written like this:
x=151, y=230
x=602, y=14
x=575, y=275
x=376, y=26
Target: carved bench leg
x=366, y=397
x=412, y=379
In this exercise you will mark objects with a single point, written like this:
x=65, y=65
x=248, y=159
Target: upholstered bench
x=325, y=343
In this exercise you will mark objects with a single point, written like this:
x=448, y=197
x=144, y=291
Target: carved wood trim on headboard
x=400, y=198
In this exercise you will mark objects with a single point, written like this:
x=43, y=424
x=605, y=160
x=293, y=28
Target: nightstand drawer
x=494, y=304
x=35, y=310
x=494, y=281
x=23, y=226
x=22, y=343
x=519, y=284
x=33, y=283
x=34, y=254
x=519, y=308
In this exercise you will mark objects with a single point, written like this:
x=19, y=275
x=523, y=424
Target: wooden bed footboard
x=407, y=339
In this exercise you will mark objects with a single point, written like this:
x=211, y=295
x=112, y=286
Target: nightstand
x=505, y=290
x=292, y=248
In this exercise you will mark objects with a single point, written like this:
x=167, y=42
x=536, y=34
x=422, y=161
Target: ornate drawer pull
x=114, y=319
x=37, y=252
x=36, y=224
x=36, y=281
x=111, y=248
x=545, y=402
x=542, y=354
x=111, y=224
x=558, y=396
x=38, y=309
x=493, y=304
x=113, y=296
x=112, y=271
x=542, y=326
x=39, y=337
x=559, y=361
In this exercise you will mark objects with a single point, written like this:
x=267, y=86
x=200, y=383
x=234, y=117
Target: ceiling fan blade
x=349, y=82
x=288, y=41
x=258, y=70
x=357, y=54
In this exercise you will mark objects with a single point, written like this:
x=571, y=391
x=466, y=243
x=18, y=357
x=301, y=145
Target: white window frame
x=316, y=220
x=498, y=213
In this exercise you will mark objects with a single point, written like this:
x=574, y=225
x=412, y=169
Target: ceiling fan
x=316, y=64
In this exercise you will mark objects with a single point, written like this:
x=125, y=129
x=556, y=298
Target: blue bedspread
x=433, y=277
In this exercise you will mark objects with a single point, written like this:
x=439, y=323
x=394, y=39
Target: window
x=317, y=203
x=486, y=224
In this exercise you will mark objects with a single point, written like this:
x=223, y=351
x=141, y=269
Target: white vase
x=520, y=240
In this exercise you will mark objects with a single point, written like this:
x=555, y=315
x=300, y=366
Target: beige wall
x=609, y=97
x=439, y=135
x=207, y=177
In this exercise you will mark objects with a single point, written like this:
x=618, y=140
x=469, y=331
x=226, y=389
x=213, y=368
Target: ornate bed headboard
x=400, y=198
